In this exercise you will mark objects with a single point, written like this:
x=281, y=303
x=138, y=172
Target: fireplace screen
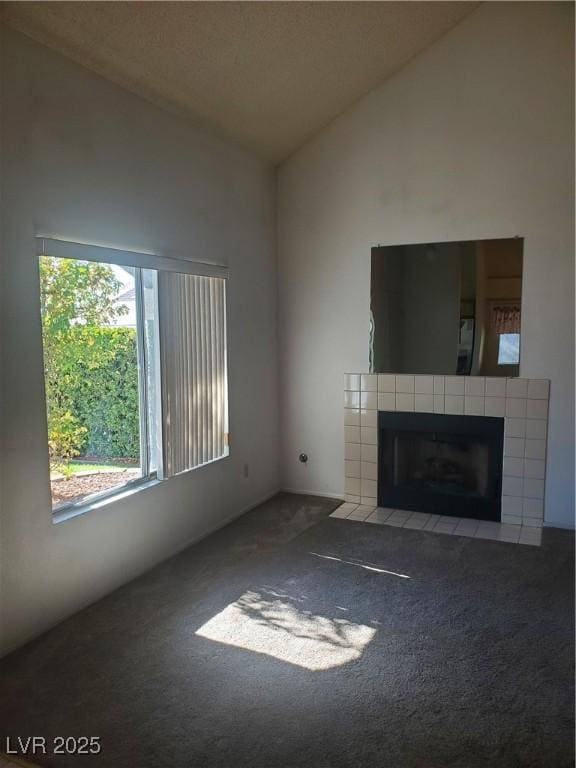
x=441, y=462
x=444, y=464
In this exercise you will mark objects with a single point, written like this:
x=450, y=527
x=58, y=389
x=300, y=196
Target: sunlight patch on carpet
x=278, y=629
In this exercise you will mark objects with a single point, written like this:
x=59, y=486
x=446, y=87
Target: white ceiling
x=267, y=75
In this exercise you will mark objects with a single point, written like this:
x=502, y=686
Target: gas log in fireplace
x=449, y=465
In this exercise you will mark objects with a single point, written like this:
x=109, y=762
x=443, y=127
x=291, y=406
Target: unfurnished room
x=287, y=384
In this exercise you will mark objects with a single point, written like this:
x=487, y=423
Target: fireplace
x=475, y=406
x=445, y=464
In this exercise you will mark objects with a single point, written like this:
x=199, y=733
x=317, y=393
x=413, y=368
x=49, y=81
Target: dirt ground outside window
x=82, y=484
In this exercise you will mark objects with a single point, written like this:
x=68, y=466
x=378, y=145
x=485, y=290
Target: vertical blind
x=192, y=311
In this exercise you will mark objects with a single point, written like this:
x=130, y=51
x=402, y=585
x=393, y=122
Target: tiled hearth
x=453, y=526
x=522, y=403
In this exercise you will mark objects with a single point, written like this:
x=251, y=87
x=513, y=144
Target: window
x=135, y=371
x=506, y=325
x=102, y=404
x=508, y=348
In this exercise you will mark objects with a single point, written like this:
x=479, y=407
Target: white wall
x=472, y=140
x=85, y=160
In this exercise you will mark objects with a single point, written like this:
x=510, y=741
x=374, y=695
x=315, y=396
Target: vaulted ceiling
x=267, y=75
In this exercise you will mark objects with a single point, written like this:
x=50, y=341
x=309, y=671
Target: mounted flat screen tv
x=447, y=308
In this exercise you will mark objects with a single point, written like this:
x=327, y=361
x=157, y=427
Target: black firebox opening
x=449, y=465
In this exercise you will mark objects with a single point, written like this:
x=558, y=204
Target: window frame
x=137, y=260
x=143, y=395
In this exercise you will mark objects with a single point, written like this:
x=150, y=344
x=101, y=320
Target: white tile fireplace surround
x=521, y=403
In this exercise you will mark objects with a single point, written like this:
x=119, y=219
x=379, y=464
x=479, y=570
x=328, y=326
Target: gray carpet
x=292, y=639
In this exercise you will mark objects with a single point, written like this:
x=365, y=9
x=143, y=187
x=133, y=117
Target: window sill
x=60, y=516
x=74, y=510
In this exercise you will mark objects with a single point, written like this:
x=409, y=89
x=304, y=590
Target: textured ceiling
x=268, y=75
